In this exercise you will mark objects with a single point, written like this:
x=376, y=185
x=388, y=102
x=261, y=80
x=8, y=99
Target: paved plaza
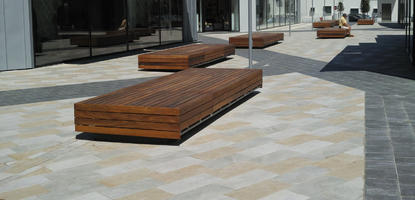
x=334, y=120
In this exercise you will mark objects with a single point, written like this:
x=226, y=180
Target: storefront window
x=60, y=30
x=261, y=13
x=143, y=23
x=108, y=27
x=235, y=15
x=270, y=13
x=277, y=12
x=71, y=29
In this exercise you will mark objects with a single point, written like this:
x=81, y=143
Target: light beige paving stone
x=92, y=195
x=293, y=130
x=231, y=125
x=257, y=190
x=248, y=178
x=120, y=159
x=23, y=192
x=216, y=153
x=180, y=173
x=298, y=139
x=152, y=194
x=71, y=163
x=127, y=177
x=234, y=169
x=288, y=165
x=285, y=195
x=189, y=183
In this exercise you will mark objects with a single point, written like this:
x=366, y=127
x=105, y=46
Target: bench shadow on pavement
x=156, y=141
x=383, y=57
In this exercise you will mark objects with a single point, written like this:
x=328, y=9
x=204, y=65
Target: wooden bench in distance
x=259, y=39
x=184, y=57
x=365, y=21
x=165, y=107
x=332, y=33
x=325, y=24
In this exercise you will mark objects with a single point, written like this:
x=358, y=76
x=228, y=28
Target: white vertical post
x=312, y=14
x=250, y=32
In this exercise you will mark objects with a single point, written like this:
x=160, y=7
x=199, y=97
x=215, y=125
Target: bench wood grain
x=365, y=21
x=185, y=57
x=259, y=39
x=165, y=107
x=332, y=33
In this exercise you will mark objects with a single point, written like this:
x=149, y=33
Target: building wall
x=395, y=6
x=243, y=9
x=318, y=5
x=15, y=35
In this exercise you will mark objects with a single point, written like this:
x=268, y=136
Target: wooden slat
x=185, y=56
x=259, y=39
x=332, y=33
x=325, y=24
x=166, y=105
x=127, y=124
x=365, y=21
x=126, y=116
x=129, y=132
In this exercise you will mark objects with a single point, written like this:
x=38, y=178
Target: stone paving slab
x=319, y=129
x=234, y=156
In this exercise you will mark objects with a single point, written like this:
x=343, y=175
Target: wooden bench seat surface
x=365, y=21
x=332, y=32
x=185, y=56
x=165, y=106
x=325, y=23
x=259, y=39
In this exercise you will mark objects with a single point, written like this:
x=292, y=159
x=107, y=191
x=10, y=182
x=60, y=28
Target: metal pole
x=289, y=25
x=250, y=32
x=312, y=14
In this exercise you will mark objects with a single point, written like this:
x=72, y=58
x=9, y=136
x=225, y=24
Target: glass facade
x=406, y=9
x=274, y=13
x=71, y=29
x=218, y=15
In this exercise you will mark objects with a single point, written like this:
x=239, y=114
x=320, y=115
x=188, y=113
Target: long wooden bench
x=365, y=21
x=165, y=107
x=184, y=57
x=332, y=33
x=259, y=39
x=325, y=23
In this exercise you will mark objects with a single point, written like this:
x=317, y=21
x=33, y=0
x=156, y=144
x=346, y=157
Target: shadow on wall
x=383, y=57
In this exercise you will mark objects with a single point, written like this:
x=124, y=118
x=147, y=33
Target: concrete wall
x=305, y=6
x=16, y=50
x=243, y=15
x=190, y=21
x=394, y=17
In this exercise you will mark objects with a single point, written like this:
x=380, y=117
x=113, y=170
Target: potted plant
x=364, y=7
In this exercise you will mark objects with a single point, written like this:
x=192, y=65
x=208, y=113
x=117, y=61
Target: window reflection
x=54, y=24
x=71, y=29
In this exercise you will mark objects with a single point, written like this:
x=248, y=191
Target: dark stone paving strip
x=384, y=72
x=34, y=95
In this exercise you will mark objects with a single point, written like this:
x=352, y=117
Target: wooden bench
x=325, y=24
x=259, y=39
x=185, y=57
x=332, y=33
x=365, y=21
x=166, y=107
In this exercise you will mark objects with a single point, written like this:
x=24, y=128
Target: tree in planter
x=340, y=8
x=364, y=7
